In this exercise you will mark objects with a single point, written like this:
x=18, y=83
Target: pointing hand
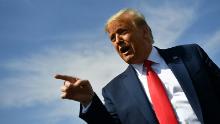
x=76, y=89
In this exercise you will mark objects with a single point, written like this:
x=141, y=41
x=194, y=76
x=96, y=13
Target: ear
x=146, y=32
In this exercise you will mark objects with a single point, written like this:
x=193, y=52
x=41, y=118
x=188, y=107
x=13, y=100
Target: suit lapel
x=176, y=64
x=134, y=88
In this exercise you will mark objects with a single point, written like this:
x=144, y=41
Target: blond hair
x=138, y=18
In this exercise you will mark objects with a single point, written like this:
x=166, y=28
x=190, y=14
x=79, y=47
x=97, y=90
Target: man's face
x=132, y=43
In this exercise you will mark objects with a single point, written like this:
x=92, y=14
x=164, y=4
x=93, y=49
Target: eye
x=121, y=31
x=112, y=38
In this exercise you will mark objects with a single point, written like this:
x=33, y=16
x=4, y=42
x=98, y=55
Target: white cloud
x=169, y=20
x=212, y=44
x=35, y=84
x=63, y=111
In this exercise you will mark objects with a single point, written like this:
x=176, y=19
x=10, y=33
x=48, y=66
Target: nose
x=119, y=40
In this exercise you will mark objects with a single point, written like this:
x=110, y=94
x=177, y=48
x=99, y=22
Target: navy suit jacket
x=127, y=103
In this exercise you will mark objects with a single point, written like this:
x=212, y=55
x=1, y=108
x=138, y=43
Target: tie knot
x=148, y=63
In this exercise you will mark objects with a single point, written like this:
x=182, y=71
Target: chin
x=129, y=59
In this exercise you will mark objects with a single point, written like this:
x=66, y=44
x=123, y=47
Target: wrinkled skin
x=132, y=43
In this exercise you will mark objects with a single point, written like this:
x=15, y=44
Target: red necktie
x=160, y=101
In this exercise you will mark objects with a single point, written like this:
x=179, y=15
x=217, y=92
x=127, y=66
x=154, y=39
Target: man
x=188, y=81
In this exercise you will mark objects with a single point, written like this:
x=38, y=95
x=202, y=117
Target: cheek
x=137, y=47
x=115, y=46
x=127, y=38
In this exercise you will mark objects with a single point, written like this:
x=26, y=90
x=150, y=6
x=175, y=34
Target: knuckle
x=64, y=95
x=62, y=88
x=67, y=84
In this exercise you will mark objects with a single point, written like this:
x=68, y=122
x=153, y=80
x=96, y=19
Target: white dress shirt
x=179, y=101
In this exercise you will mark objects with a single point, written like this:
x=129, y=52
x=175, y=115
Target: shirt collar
x=154, y=57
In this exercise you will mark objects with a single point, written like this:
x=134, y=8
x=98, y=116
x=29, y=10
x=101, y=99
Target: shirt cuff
x=85, y=109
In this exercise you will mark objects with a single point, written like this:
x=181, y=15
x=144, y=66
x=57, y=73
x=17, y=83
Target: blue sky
x=39, y=38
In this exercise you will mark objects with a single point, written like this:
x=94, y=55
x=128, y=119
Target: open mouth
x=124, y=49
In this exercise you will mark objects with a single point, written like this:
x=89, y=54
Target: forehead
x=119, y=24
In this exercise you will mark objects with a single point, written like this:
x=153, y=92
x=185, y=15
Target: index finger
x=66, y=77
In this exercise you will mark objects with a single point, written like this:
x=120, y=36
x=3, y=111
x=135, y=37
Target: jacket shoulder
x=185, y=47
x=183, y=51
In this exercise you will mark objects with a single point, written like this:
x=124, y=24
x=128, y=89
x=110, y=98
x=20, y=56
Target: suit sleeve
x=98, y=114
